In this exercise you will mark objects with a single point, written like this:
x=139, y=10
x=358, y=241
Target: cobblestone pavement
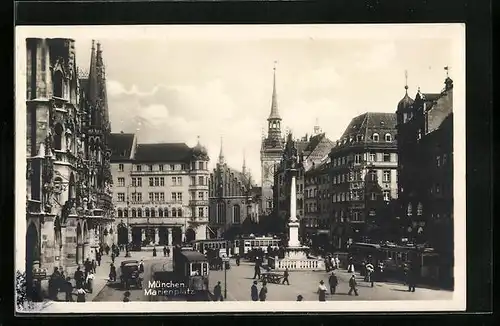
x=239, y=281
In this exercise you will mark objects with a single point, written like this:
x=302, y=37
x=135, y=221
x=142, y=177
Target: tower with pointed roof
x=271, y=151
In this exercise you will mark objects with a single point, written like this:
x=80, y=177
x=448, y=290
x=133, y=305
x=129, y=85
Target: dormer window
x=388, y=138
x=375, y=137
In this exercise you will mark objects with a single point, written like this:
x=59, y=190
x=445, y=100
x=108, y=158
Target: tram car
x=193, y=269
x=219, y=245
x=244, y=245
x=395, y=259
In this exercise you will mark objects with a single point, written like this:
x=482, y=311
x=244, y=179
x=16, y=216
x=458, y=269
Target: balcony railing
x=156, y=202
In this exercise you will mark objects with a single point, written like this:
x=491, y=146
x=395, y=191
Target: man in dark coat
x=168, y=252
x=164, y=251
x=352, y=285
x=257, y=270
x=333, y=281
x=78, y=278
x=87, y=267
x=285, y=277
x=254, y=292
x=263, y=292
x=68, y=289
x=218, y=292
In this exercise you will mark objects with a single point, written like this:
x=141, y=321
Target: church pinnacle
x=221, y=154
x=274, y=101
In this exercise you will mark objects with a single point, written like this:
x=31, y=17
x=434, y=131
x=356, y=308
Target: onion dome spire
x=406, y=101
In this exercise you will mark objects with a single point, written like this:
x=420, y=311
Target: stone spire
x=274, y=100
x=92, y=86
x=317, y=128
x=221, y=154
x=102, y=91
x=274, y=120
x=244, y=168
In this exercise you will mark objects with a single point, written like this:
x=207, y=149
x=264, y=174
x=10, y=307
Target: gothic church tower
x=271, y=152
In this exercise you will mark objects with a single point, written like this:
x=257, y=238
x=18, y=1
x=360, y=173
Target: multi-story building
x=317, y=203
x=68, y=176
x=160, y=191
x=363, y=178
x=270, y=153
x=311, y=151
x=425, y=148
x=232, y=200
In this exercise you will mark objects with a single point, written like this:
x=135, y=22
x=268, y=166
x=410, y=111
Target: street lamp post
x=225, y=259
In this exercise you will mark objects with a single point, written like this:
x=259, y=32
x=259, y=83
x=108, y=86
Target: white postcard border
x=200, y=32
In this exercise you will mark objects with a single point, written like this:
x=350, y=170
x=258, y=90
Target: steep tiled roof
x=366, y=125
x=313, y=142
x=121, y=146
x=163, y=152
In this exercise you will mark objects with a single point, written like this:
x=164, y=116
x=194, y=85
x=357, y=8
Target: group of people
x=59, y=282
x=331, y=262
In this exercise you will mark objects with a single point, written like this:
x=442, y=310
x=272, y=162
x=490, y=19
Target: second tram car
x=220, y=245
x=243, y=245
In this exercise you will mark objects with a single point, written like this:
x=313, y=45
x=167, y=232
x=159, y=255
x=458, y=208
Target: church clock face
x=268, y=171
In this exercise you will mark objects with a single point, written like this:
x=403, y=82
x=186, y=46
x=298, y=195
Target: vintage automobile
x=130, y=275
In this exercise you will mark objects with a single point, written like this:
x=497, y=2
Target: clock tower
x=271, y=152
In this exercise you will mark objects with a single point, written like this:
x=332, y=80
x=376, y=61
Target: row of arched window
x=150, y=212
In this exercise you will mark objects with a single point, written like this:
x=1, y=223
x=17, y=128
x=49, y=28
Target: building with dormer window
x=363, y=178
x=425, y=149
x=160, y=191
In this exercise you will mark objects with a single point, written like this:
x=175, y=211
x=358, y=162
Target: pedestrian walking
x=107, y=249
x=68, y=290
x=94, y=266
x=54, y=284
x=333, y=282
x=90, y=281
x=254, y=292
x=300, y=297
x=350, y=266
x=352, y=285
x=98, y=258
x=141, y=266
x=256, y=270
x=154, y=252
x=322, y=291
x=168, y=252
x=218, y=292
x=369, y=273
x=113, y=257
x=263, y=292
x=285, y=277
x=412, y=276
x=164, y=251
x=87, y=267
x=78, y=278
x=337, y=261
x=80, y=295
x=112, y=273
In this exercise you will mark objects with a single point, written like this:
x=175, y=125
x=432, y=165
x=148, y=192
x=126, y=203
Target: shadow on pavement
x=399, y=290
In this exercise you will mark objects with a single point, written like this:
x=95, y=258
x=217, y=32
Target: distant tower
x=244, y=167
x=221, y=153
x=317, y=128
x=271, y=151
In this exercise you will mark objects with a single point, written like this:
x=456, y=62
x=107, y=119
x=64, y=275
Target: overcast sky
x=173, y=84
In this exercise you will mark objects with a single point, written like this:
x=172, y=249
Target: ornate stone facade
x=68, y=184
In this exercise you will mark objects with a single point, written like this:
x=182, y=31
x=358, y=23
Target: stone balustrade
x=297, y=265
